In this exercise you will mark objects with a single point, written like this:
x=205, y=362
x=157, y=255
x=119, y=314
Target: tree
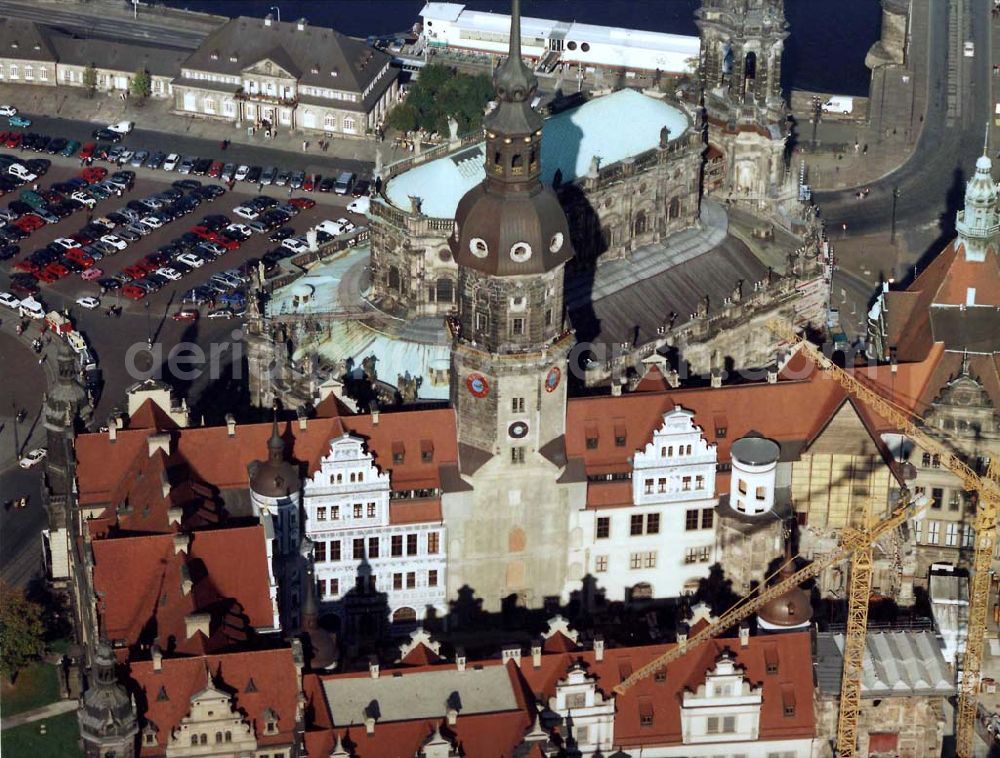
x=439, y=94
x=90, y=79
x=22, y=633
x=141, y=85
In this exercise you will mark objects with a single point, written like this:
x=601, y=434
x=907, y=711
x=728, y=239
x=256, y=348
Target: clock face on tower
x=477, y=385
x=517, y=430
x=552, y=379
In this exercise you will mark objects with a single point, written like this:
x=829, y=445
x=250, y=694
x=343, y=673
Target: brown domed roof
x=492, y=224
x=274, y=477
x=793, y=608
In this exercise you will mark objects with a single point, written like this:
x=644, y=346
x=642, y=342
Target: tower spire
x=986, y=141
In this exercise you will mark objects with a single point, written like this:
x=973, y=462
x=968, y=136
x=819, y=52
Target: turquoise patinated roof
x=613, y=127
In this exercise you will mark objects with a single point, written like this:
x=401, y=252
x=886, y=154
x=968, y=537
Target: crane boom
x=987, y=489
x=749, y=605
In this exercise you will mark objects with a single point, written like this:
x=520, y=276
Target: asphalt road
x=158, y=30
x=931, y=182
x=313, y=162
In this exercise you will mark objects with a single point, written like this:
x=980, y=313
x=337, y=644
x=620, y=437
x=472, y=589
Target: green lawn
x=61, y=739
x=36, y=686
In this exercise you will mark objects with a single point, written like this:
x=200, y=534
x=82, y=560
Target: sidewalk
x=46, y=711
x=156, y=115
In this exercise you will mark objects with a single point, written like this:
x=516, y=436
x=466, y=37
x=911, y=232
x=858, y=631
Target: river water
x=826, y=49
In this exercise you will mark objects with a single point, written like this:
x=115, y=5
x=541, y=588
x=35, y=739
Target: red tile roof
x=419, y=511
x=139, y=583
x=149, y=415
x=258, y=680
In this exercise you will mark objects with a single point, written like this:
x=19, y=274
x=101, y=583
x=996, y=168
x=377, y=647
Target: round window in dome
x=571, y=45
x=556, y=243
x=520, y=252
x=585, y=47
x=478, y=247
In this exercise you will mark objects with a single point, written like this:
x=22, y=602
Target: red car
x=13, y=139
x=87, y=151
x=56, y=269
x=134, y=272
x=215, y=170
x=227, y=242
x=304, y=203
x=133, y=293
x=77, y=254
x=27, y=266
x=310, y=183
x=29, y=222
x=204, y=232
x=46, y=277
x=83, y=239
x=93, y=174
x=147, y=266
x=186, y=314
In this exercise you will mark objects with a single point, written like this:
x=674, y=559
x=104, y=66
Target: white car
x=169, y=273
x=66, y=243
x=360, y=205
x=241, y=229
x=346, y=224
x=152, y=222
x=8, y=110
x=171, y=161
x=295, y=244
x=9, y=300
x=122, y=127
x=22, y=173
x=243, y=211
x=82, y=197
x=31, y=308
x=33, y=458
x=115, y=241
x=88, y=302
x=190, y=260
x=333, y=228
x=241, y=173
x=969, y=49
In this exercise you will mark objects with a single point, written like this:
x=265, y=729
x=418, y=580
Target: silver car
x=140, y=157
x=186, y=165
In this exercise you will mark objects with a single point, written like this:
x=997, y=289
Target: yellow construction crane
x=852, y=540
x=987, y=489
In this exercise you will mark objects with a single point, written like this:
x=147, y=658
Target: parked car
x=186, y=165
x=88, y=302
x=360, y=205
x=268, y=175
x=282, y=178
x=241, y=173
x=33, y=458
x=215, y=169
x=344, y=183
x=326, y=184
x=186, y=314
x=8, y=110
x=171, y=161
x=19, y=121
x=156, y=159
x=139, y=158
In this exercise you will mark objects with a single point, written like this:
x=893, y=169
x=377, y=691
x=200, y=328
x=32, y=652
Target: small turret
x=107, y=714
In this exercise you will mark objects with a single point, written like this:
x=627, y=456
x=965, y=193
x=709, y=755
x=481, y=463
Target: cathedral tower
x=106, y=714
x=978, y=224
x=741, y=48
x=511, y=242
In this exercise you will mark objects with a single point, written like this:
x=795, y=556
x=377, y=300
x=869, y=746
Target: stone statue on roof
x=595, y=166
x=664, y=137
x=416, y=204
x=378, y=162
x=452, y=129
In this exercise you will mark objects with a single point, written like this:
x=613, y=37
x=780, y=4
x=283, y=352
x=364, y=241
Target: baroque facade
x=286, y=76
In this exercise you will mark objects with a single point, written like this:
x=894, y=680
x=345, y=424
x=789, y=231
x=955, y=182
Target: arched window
x=229, y=736
x=352, y=478
x=394, y=278
x=404, y=616
x=194, y=739
x=639, y=225
x=674, y=209
x=517, y=164
x=670, y=450
x=218, y=737
x=340, y=478
x=204, y=739
x=361, y=476
x=445, y=290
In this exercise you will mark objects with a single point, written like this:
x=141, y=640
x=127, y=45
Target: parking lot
x=148, y=183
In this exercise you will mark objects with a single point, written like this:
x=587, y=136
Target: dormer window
x=270, y=721
x=233, y=58
x=398, y=452
x=214, y=55
x=645, y=711
x=426, y=451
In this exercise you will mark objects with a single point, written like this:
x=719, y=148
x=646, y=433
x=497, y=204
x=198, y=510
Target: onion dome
x=107, y=710
x=789, y=611
x=511, y=224
x=274, y=477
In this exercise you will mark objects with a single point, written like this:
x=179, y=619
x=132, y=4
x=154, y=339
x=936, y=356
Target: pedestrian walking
x=305, y=146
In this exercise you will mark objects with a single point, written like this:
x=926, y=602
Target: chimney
x=511, y=652
x=536, y=654
x=716, y=378
x=598, y=648
x=744, y=635
x=174, y=515
x=616, y=389
x=369, y=724
x=682, y=634
x=303, y=419
x=112, y=428
x=268, y=20
x=230, y=425
x=197, y=622
x=373, y=667
x=772, y=374
x=301, y=24
x=186, y=584
x=374, y=409
x=164, y=484
x=452, y=716
x=673, y=379
x=182, y=543
x=460, y=658
x=157, y=655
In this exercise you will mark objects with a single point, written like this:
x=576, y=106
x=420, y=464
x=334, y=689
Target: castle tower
x=742, y=43
x=66, y=406
x=276, y=497
x=978, y=224
x=106, y=715
x=511, y=243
